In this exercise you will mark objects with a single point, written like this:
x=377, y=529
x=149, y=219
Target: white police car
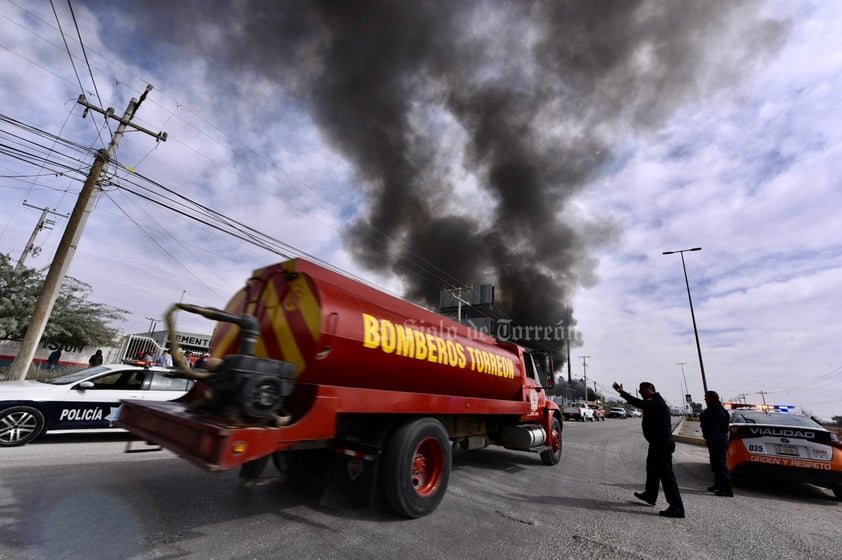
x=86, y=399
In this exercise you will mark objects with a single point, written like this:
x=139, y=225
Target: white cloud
x=753, y=179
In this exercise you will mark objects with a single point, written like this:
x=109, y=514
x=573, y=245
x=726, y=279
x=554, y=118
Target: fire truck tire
x=20, y=425
x=416, y=467
x=552, y=454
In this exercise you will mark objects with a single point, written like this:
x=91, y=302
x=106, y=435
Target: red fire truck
x=313, y=369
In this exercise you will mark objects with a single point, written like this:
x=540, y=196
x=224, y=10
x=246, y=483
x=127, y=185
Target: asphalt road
x=72, y=497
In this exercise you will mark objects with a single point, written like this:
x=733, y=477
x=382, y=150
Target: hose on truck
x=219, y=376
x=249, y=327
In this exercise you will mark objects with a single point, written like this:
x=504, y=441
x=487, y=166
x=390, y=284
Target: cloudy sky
x=555, y=150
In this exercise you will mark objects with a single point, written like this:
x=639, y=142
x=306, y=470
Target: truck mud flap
x=353, y=480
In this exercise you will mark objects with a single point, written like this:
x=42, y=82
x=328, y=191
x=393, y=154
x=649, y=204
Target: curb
x=685, y=438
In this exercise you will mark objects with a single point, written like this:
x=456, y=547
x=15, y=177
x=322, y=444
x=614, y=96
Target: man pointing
x=657, y=429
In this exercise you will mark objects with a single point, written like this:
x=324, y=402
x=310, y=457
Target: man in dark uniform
x=715, y=421
x=657, y=429
x=53, y=360
x=95, y=359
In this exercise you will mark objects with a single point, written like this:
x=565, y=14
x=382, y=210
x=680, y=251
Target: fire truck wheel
x=20, y=425
x=552, y=454
x=416, y=467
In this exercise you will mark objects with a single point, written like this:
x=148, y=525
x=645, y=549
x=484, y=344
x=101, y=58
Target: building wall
x=73, y=358
x=195, y=343
x=70, y=357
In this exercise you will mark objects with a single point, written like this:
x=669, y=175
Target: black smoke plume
x=472, y=124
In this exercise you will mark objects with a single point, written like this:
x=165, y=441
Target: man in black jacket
x=95, y=359
x=715, y=421
x=657, y=429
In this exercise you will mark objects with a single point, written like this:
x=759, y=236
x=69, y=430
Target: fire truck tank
x=338, y=331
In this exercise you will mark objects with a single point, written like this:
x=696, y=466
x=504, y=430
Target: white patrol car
x=86, y=399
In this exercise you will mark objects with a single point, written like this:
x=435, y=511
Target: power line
x=70, y=56
x=161, y=247
x=87, y=62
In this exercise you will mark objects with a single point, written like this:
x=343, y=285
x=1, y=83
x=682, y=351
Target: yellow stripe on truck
x=279, y=328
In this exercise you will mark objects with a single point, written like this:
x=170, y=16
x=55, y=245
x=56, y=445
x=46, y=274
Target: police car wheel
x=20, y=425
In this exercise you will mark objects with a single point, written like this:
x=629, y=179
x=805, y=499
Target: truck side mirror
x=543, y=362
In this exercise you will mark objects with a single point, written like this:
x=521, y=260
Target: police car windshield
x=76, y=376
x=774, y=419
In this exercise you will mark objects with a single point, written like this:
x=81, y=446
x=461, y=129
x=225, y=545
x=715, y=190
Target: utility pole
x=456, y=293
x=585, y=369
x=569, y=367
x=152, y=323
x=43, y=223
x=73, y=232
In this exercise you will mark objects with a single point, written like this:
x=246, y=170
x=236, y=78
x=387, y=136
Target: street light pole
x=686, y=387
x=692, y=314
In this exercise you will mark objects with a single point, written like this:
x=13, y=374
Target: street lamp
x=692, y=314
x=686, y=389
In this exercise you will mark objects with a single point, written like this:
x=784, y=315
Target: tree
x=18, y=293
x=75, y=321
